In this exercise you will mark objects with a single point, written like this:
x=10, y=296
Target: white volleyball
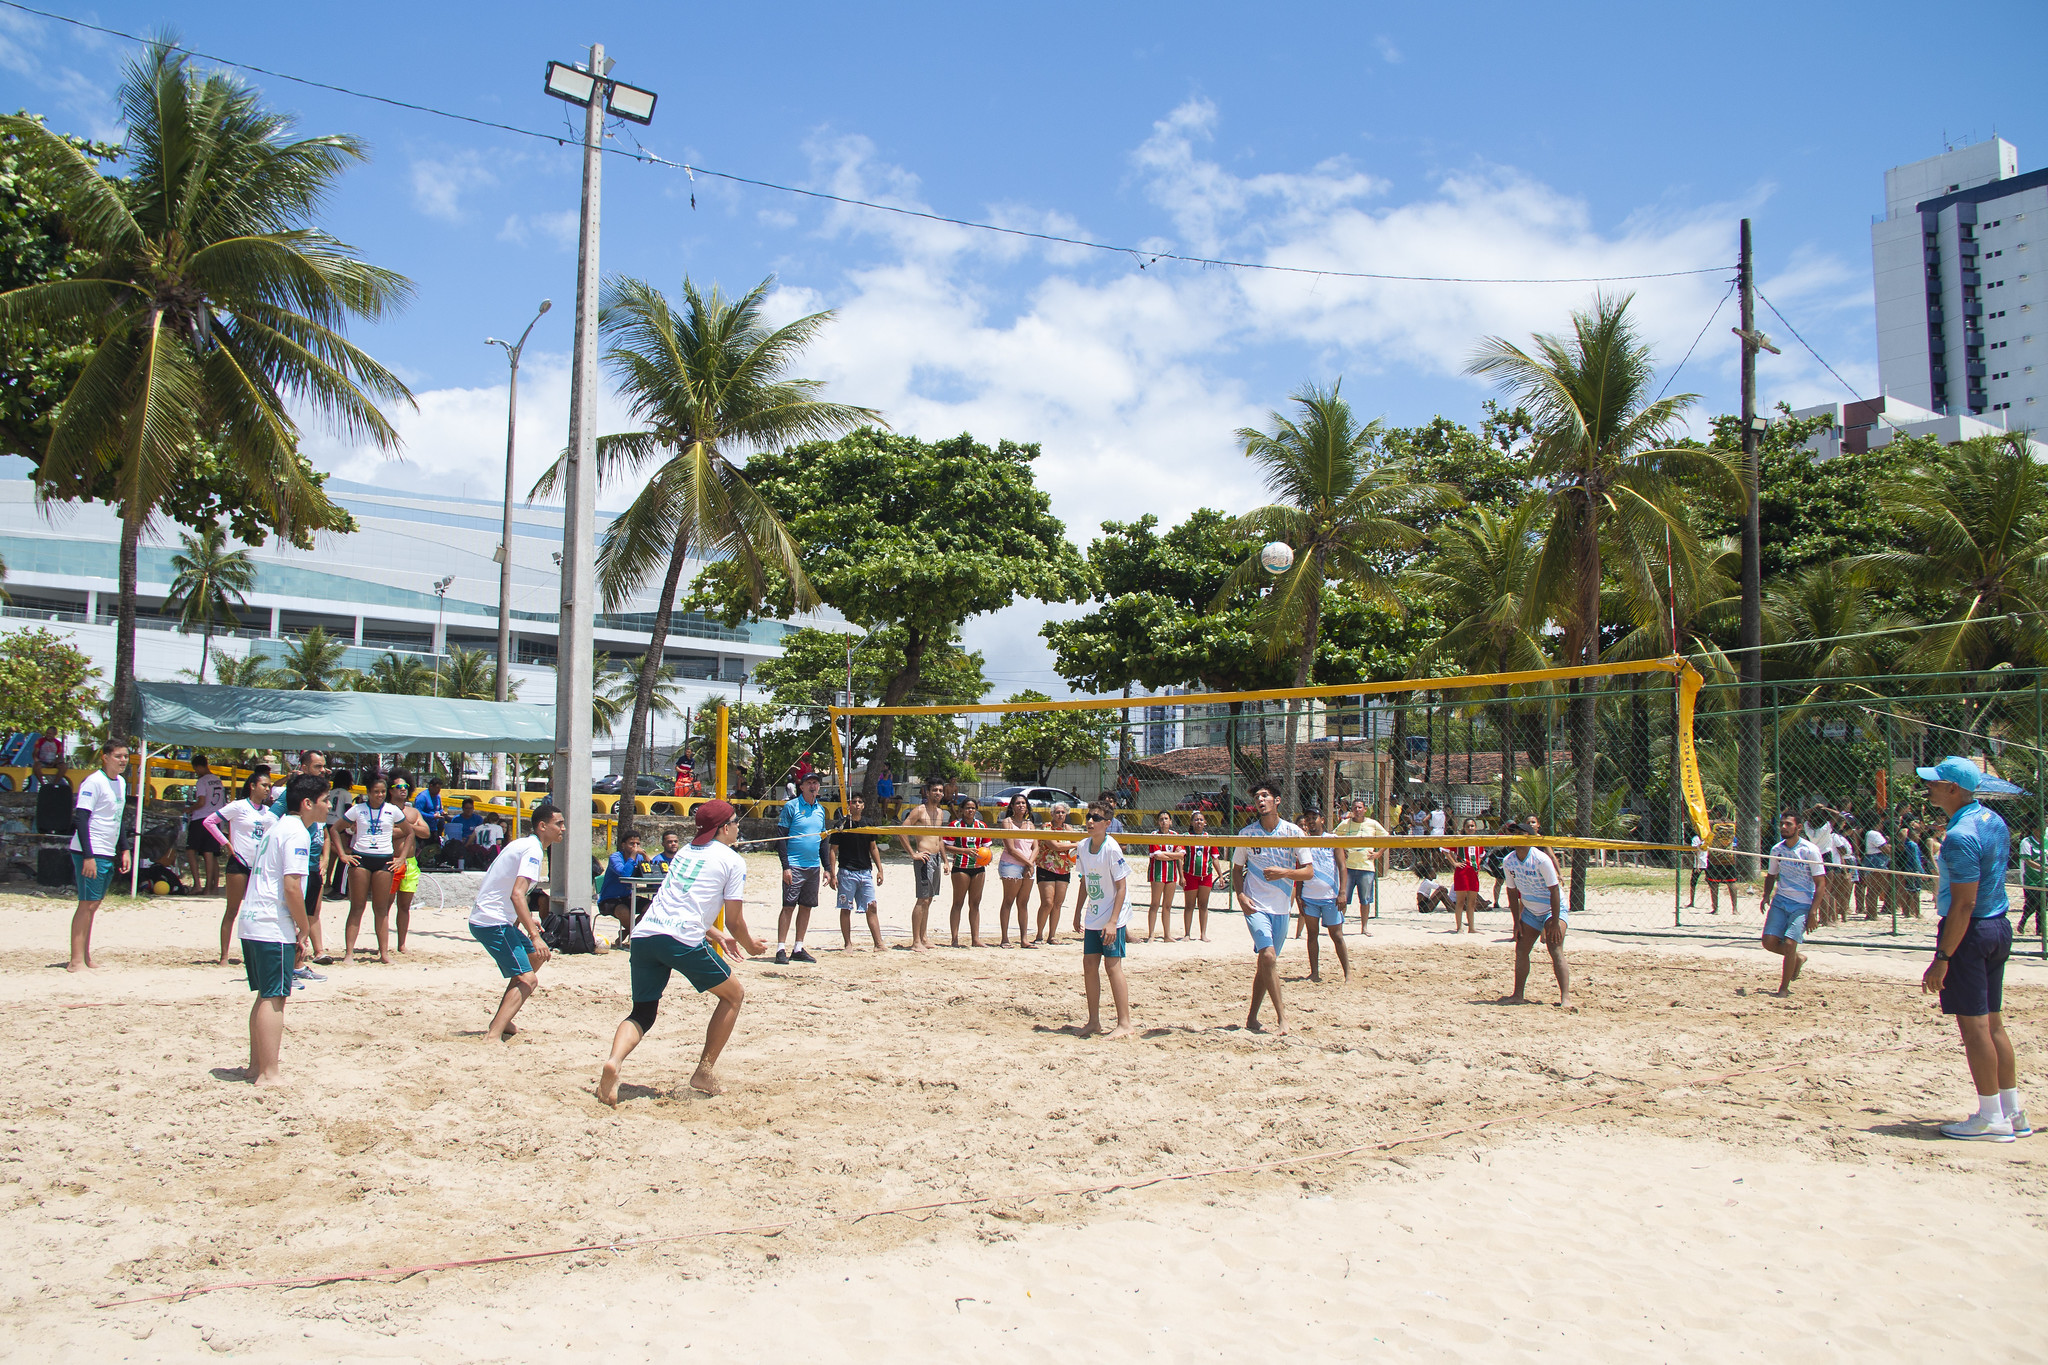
x=1277, y=557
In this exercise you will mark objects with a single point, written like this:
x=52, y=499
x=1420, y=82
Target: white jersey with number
x=374, y=825
x=494, y=902
x=247, y=823
x=1099, y=872
x=266, y=917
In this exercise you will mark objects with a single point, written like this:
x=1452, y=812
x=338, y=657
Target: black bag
x=568, y=931
x=53, y=806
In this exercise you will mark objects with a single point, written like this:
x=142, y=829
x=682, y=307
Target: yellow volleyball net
x=1425, y=754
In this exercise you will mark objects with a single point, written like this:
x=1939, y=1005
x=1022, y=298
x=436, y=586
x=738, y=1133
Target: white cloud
x=439, y=182
x=559, y=229
x=1388, y=52
x=27, y=53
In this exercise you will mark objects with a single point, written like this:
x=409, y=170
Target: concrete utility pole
x=1749, y=830
x=569, y=879
x=512, y=352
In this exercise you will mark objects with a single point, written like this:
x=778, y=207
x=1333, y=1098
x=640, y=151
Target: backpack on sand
x=569, y=931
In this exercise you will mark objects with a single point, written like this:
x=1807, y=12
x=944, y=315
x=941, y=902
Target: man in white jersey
x=503, y=922
x=1265, y=895
x=1105, y=880
x=273, y=926
x=1794, y=875
x=239, y=827
x=96, y=851
x=1319, y=904
x=680, y=933
x=1539, y=913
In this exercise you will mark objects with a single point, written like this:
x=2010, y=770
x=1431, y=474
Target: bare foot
x=511, y=1029
x=387, y=959
x=1279, y=1030
x=919, y=948
x=608, y=1084
x=704, y=1083
x=1252, y=1025
x=77, y=966
x=976, y=943
x=1798, y=966
x=1120, y=1031
x=1091, y=1028
x=1316, y=977
x=1205, y=938
x=266, y=1080
x=1516, y=1000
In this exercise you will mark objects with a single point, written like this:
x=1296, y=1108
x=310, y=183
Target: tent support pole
x=141, y=793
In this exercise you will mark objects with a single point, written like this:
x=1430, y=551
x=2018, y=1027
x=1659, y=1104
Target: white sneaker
x=1977, y=1128
x=2020, y=1127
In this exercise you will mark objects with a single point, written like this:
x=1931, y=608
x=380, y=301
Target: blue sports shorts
x=1093, y=944
x=656, y=955
x=93, y=888
x=1787, y=919
x=1268, y=930
x=1322, y=912
x=506, y=945
x=1975, y=983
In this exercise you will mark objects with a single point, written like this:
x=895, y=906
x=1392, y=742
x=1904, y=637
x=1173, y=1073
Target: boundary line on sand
x=1105, y=1187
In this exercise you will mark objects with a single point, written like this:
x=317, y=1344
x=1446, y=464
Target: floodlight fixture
x=630, y=103
x=571, y=83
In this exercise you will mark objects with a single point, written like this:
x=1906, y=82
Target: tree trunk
x=1584, y=693
x=205, y=649
x=121, y=717
x=900, y=686
x=1311, y=632
x=643, y=691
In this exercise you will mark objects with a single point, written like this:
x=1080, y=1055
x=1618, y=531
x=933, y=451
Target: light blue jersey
x=1798, y=868
x=1976, y=850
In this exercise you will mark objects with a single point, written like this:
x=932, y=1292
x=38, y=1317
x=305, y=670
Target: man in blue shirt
x=656, y=864
x=803, y=831
x=614, y=897
x=1968, y=971
x=428, y=803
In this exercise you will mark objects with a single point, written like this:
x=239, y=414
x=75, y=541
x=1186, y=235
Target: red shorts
x=1201, y=879
x=1464, y=878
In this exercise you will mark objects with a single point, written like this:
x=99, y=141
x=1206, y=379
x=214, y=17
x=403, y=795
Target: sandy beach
x=917, y=1153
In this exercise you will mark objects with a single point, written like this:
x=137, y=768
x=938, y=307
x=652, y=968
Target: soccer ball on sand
x=1277, y=557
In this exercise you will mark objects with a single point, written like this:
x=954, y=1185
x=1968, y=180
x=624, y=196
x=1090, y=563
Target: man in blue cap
x=1968, y=971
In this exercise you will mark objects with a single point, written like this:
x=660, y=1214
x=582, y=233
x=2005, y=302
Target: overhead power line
x=1672, y=378
x=1141, y=255
x=1809, y=347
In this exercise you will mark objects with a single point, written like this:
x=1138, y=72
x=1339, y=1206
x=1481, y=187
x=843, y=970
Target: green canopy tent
x=205, y=714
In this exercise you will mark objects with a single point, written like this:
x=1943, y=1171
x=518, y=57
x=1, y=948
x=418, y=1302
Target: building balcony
x=1971, y=279
x=1974, y=369
x=1973, y=308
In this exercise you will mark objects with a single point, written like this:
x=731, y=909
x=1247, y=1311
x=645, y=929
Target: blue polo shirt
x=1975, y=850
x=429, y=805
x=460, y=825
x=616, y=869
x=803, y=822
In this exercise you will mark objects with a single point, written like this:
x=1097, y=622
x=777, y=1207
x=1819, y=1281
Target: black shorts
x=802, y=889
x=1975, y=983
x=374, y=863
x=199, y=839
x=236, y=867
x=1060, y=878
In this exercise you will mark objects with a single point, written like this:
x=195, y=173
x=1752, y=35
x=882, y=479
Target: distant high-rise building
x=1962, y=299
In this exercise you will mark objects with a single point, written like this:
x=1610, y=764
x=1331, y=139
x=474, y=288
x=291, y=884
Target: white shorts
x=1011, y=872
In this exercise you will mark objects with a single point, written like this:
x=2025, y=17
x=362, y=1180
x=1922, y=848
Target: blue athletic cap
x=1960, y=771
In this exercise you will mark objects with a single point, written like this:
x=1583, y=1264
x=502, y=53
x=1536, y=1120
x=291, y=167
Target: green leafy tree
x=914, y=536
x=1488, y=468
x=212, y=311
x=249, y=670
x=614, y=691
x=709, y=383
x=396, y=675
x=1343, y=506
x=1028, y=745
x=210, y=584
x=1810, y=511
x=46, y=684
x=471, y=675
x=312, y=664
x=811, y=675
x=1615, y=480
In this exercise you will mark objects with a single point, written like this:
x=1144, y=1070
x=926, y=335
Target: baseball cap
x=711, y=818
x=1960, y=771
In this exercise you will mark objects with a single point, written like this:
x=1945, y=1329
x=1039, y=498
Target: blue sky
x=1480, y=140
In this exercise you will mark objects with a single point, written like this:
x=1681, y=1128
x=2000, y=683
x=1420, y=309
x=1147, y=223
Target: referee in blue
x=1975, y=938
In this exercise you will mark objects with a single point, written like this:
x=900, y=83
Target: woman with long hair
x=1013, y=870
x=239, y=826
x=369, y=833
x=1203, y=865
x=1055, y=873
x=1164, y=876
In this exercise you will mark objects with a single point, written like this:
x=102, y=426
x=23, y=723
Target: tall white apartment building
x=1962, y=293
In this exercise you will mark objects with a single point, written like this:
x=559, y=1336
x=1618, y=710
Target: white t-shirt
x=494, y=903
x=1532, y=874
x=487, y=835
x=105, y=797
x=1273, y=898
x=1699, y=859
x=1438, y=821
x=1427, y=886
x=1844, y=851
x=1874, y=841
x=1798, y=867
x=373, y=826
x=282, y=853
x=1099, y=874
x=210, y=793
x=246, y=823
x=701, y=879
x=1323, y=885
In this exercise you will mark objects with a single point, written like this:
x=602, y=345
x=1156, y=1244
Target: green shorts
x=656, y=955
x=269, y=967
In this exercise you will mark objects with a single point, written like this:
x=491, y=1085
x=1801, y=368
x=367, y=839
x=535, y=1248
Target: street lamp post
x=591, y=87
x=512, y=350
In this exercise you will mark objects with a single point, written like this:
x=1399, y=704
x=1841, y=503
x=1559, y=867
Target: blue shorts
x=1787, y=919
x=507, y=947
x=856, y=890
x=1877, y=862
x=1975, y=983
x=656, y=955
x=93, y=888
x=1360, y=880
x=269, y=967
x=1535, y=920
x=1094, y=945
x=1323, y=912
x=1268, y=930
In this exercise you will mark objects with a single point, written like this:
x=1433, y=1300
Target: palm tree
x=1602, y=447
x=1342, y=506
x=1481, y=567
x=708, y=383
x=214, y=311
x=210, y=584
x=251, y=670
x=472, y=675
x=1807, y=616
x=615, y=690
x=1977, y=527
x=312, y=665
x=395, y=676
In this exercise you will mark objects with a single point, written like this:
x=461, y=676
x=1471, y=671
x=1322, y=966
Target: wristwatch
x=1940, y=956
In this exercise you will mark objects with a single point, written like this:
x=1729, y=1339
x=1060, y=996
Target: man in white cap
x=1975, y=938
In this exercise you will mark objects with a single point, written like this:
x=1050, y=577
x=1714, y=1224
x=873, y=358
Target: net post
x=838, y=753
